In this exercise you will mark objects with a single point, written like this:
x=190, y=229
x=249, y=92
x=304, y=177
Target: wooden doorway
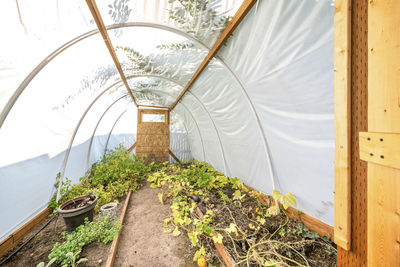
x=152, y=141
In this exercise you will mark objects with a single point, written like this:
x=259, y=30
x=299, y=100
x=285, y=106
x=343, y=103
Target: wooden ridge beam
x=103, y=31
x=149, y=106
x=237, y=18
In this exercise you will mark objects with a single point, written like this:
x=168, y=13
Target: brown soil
x=79, y=203
x=38, y=249
x=143, y=241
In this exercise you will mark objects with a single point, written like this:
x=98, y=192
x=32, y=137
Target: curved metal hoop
x=95, y=128
x=29, y=78
x=112, y=128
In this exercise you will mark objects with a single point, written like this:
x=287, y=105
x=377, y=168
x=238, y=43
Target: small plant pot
x=109, y=210
x=74, y=211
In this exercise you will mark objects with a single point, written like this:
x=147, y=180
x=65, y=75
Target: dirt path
x=143, y=241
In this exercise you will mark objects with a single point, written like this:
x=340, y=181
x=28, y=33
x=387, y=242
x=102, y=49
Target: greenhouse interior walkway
x=143, y=241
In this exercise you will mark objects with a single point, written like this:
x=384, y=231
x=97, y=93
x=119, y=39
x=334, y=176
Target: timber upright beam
x=342, y=97
x=383, y=117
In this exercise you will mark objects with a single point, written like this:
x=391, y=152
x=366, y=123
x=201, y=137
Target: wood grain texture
x=383, y=116
x=114, y=245
x=235, y=21
x=357, y=256
x=15, y=238
x=380, y=148
x=342, y=98
x=152, y=141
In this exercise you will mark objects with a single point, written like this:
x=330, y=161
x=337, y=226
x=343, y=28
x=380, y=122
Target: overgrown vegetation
x=109, y=179
x=68, y=253
x=254, y=234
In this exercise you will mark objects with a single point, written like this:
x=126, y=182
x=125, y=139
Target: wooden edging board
x=114, y=245
x=310, y=222
x=228, y=260
x=13, y=240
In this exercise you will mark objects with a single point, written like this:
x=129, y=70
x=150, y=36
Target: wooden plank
x=114, y=245
x=160, y=129
x=103, y=31
x=380, y=148
x=342, y=44
x=237, y=18
x=226, y=257
x=173, y=155
x=148, y=106
x=13, y=240
x=357, y=256
x=132, y=147
x=150, y=149
x=383, y=116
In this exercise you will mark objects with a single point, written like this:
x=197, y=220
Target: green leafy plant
x=110, y=178
x=68, y=252
x=74, y=260
x=42, y=264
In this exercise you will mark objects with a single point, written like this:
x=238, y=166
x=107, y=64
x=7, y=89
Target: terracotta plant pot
x=73, y=217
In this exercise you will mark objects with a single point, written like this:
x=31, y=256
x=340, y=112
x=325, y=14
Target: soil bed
x=39, y=248
x=250, y=234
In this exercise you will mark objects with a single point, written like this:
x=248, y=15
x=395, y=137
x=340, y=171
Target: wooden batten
x=103, y=31
x=384, y=117
x=173, y=155
x=15, y=238
x=342, y=98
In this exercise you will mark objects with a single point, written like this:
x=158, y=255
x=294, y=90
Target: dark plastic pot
x=75, y=217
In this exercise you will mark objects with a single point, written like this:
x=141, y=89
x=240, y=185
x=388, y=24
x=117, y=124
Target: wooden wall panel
x=383, y=116
x=357, y=256
x=153, y=137
x=342, y=96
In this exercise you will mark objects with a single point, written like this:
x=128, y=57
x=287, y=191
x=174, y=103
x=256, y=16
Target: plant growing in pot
x=74, y=211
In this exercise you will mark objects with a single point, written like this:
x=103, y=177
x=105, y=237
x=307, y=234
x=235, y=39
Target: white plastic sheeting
x=261, y=111
x=282, y=55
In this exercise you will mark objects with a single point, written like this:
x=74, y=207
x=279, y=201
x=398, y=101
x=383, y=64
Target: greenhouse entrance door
x=153, y=135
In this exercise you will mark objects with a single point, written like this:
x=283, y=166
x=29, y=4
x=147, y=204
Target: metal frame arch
x=112, y=128
x=84, y=115
x=95, y=128
x=201, y=104
x=216, y=130
x=36, y=70
x=184, y=125
x=191, y=114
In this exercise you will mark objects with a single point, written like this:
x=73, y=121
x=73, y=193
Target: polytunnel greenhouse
x=199, y=133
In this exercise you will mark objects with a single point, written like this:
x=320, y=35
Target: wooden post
x=383, y=117
x=342, y=221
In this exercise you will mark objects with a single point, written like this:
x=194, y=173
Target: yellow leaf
x=176, y=232
x=160, y=197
